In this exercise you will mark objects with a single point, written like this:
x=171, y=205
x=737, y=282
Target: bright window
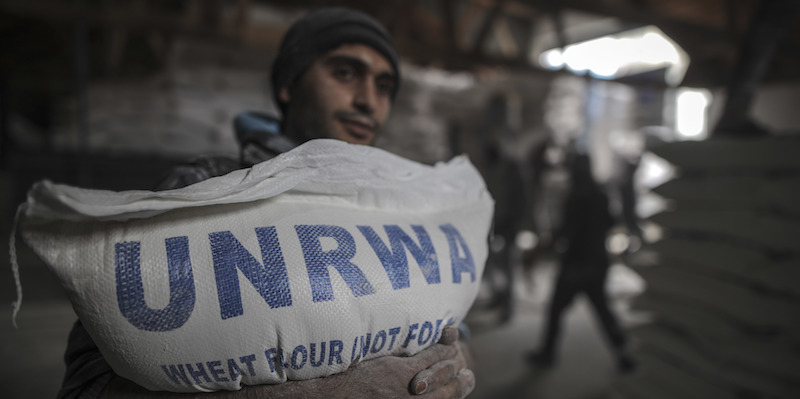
x=627, y=53
x=690, y=118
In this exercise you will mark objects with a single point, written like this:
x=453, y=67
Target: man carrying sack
x=335, y=76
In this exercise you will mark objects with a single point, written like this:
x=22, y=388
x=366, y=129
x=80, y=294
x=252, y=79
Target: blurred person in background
x=335, y=76
x=584, y=265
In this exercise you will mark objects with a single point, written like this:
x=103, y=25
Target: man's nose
x=365, y=99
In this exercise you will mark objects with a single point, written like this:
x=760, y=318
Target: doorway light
x=690, y=112
x=626, y=53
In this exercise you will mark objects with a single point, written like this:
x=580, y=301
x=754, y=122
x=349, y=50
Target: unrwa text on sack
x=270, y=278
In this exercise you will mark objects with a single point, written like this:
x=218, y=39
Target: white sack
x=294, y=269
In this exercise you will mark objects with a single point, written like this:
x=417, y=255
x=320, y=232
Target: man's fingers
x=435, y=376
x=434, y=354
x=440, y=363
x=426, y=360
x=449, y=335
x=458, y=387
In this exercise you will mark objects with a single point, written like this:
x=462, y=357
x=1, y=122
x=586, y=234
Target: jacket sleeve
x=87, y=371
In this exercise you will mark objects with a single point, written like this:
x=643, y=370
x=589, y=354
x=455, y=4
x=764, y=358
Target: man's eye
x=344, y=73
x=385, y=86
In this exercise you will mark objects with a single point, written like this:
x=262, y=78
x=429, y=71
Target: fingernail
x=422, y=386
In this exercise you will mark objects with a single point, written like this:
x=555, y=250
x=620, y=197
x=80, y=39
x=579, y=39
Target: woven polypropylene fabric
x=294, y=269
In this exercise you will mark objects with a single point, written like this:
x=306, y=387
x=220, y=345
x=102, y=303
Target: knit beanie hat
x=321, y=31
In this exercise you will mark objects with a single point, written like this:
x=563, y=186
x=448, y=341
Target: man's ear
x=284, y=95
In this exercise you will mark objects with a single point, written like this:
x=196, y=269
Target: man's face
x=345, y=94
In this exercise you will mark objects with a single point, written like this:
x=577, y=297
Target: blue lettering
x=460, y=264
x=354, y=351
x=284, y=363
x=201, y=372
x=411, y=334
x=365, y=344
x=130, y=289
x=270, y=280
x=271, y=355
x=395, y=261
x=436, y=333
x=393, y=332
x=216, y=371
x=317, y=261
x=422, y=341
x=336, y=352
x=299, y=349
x=382, y=335
x=249, y=359
x=234, y=370
x=316, y=363
x=174, y=372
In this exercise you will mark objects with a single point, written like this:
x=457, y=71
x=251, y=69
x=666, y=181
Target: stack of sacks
x=294, y=269
x=722, y=284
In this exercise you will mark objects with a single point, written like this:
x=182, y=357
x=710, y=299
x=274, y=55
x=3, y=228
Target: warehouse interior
x=685, y=106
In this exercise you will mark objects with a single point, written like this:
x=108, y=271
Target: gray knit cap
x=321, y=31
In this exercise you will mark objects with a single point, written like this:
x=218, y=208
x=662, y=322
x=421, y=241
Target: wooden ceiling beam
x=114, y=18
x=527, y=38
x=505, y=39
x=639, y=15
x=561, y=29
x=448, y=9
x=486, y=27
x=512, y=8
x=732, y=12
x=465, y=23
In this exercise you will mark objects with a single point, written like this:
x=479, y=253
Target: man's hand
x=437, y=372
x=444, y=374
